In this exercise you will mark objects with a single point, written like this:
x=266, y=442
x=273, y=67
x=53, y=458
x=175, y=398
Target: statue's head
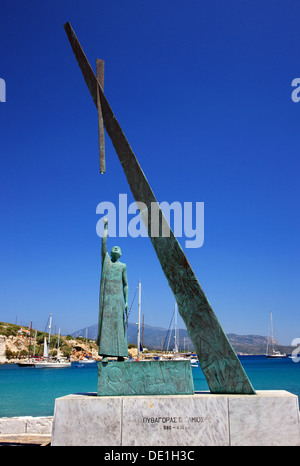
x=115, y=253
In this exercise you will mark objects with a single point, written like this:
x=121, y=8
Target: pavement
x=37, y=440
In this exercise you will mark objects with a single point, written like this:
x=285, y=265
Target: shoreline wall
x=26, y=425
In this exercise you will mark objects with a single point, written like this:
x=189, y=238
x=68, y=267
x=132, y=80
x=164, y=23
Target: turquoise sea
x=32, y=392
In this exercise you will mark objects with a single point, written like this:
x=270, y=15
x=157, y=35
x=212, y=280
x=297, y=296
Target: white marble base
x=268, y=418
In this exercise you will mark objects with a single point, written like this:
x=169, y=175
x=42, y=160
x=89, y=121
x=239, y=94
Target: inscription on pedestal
x=175, y=421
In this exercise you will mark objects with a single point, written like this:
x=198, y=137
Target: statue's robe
x=112, y=339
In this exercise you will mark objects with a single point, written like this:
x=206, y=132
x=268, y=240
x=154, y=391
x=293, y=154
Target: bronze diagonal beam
x=219, y=362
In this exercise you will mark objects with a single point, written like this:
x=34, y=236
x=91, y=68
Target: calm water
x=32, y=392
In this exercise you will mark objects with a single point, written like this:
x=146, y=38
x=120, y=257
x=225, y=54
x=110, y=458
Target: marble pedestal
x=268, y=418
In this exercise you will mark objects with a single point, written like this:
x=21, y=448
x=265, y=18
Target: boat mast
x=35, y=335
x=143, y=330
x=272, y=333
x=268, y=340
x=50, y=323
x=139, y=322
x=29, y=352
x=175, y=336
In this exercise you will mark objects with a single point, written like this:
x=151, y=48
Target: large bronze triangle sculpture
x=219, y=362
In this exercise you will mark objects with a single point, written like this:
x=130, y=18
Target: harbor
x=31, y=392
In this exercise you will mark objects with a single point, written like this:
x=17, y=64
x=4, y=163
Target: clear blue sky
x=202, y=91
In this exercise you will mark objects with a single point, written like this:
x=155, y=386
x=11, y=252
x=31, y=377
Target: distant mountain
x=249, y=344
x=155, y=337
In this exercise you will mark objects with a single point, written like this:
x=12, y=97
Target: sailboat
x=194, y=361
x=271, y=352
x=139, y=345
x=86, y=359
x=176, y=357
x=48, y=362
x=29, y=361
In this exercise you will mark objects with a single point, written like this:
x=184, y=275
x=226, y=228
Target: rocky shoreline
x=11, y=345
x=17, y=343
